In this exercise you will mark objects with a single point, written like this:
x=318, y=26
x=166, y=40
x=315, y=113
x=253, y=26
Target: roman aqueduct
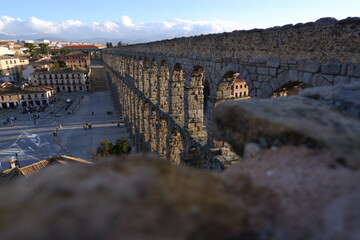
x=167, y=90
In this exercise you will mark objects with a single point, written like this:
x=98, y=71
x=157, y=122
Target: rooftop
x=12, y=89
x=34, y=168
x=77, y=54
x=81, y=47
x=59, y=70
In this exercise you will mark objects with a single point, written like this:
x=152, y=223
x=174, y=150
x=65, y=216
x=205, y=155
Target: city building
x=240, y=89
x=62, y=79
x=77, y=59
x=12, y=96
x=11, y=68
x=6, y=51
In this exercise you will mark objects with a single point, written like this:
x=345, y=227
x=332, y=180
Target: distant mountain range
x=101, y=40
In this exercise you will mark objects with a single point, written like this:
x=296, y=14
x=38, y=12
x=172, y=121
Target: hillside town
x=30, y=69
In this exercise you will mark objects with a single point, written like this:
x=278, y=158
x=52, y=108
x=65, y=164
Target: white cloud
x=126, y=21
x=124, y=29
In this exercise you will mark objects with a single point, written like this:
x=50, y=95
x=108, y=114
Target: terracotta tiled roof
x=28, y=89
x=59, y=70
x=77, y=54
x=34, y=168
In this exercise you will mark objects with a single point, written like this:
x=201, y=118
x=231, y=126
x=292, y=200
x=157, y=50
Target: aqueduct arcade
x=168, y=90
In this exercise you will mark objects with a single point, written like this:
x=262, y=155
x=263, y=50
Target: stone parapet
x=326, y=40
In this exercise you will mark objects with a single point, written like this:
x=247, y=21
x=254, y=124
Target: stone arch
x=139, y=123
x=175, y=145
x=194, y=116
x=163, y=86
x=191, y=157
x=163, y=133
x=123, y=65
x=232, y=86
x=139, y=74
x=152, y=130
x=177, y=94
x=132, y=116
x=153, y=80
x=146, y=71
x=290, y=88
x=131, y=67
x=135, y=64
x=146, y=126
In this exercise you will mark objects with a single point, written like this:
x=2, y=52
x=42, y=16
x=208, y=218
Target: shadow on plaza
x=46, y=134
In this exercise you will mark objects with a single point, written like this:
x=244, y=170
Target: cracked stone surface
x=320, y=118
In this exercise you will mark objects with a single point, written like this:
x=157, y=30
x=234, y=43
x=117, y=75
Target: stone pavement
x=34, y=142
x=82, y=143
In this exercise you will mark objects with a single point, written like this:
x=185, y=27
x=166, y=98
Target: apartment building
x=77, y=59
x=12, y=96
x=11, y=68
x=240, y=89
x=62, y=79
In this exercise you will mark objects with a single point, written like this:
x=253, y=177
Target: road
x=35, y=142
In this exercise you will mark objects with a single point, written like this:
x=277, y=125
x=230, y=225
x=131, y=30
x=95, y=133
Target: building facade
x=240, y=89
x=77, y=59
x=11, y=68
x=62, y=79
x=28, y=96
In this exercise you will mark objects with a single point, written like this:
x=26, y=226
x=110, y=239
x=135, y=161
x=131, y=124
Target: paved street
x=34, y=142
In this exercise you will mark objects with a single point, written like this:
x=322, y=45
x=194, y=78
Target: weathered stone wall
x=179, y=82
x=325, y=40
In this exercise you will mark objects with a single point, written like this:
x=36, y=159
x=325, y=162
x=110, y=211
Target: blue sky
x=157, y=19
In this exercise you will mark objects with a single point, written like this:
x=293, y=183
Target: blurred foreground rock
x=306, y=149
x=138, y=198
x=324, y=118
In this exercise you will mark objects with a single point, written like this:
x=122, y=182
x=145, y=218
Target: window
x=245, y=86
x=236, y=94
x=42, y=95
x=9, y=97
x=240, y=86
x=2, y=98
x=245, y=94
x=236, y=86
x=240, y=94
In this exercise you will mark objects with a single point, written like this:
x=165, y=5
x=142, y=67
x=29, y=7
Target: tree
x=109, y=45
x=44, y=49
x=65, y=51
x=31, y=49
x=120, y=43
x=122, y=146
x=59, y=64
x=105, y=148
